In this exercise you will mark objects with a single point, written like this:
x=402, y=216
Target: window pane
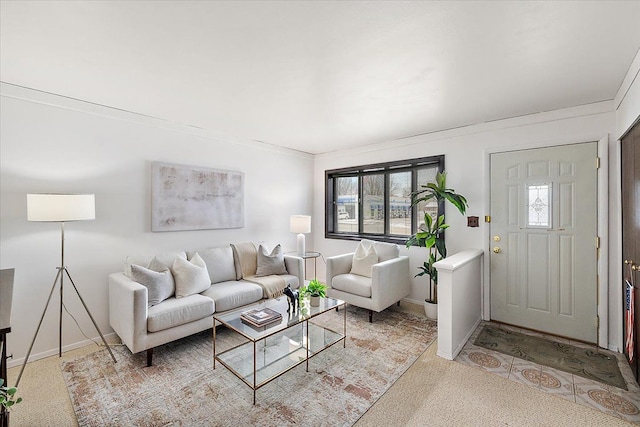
x=399, y=203
x=373, y=204
x=539, y=207
x=347, y=204
x=425, y=176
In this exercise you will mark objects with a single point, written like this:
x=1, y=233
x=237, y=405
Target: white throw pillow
x=385, y=251
x=191, y=276
x=270, y=263
x=363, y=260
x=157, y=278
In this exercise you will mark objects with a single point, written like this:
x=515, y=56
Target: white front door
x=543, y=240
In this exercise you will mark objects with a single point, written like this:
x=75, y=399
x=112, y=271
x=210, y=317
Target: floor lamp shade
x=300, y=224
x=61, y=207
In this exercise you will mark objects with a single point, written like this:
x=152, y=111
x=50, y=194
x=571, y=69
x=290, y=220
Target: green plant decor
x=7, y=399
x=431, y=233
x=315, y=288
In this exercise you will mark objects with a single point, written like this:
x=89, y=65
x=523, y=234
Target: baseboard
x=54, y=351
x=461, y=345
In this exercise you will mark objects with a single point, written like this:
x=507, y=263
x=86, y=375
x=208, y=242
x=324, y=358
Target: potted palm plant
x=430, y=235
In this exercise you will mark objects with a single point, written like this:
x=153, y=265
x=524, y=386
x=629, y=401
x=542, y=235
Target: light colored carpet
x=183, y=389
x=433, y=392
x=438, y=392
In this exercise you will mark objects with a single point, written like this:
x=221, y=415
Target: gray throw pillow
x=157, y=278
x=270, y=263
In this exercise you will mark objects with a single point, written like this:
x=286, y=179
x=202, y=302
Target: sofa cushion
x=352, y=284
x=219, y=263
x=232, y=294
x=364, y=258
x=167, y=258
x=157, y=279
x=270, y=263
x=291, y=280
x=191, y=276
x=385, y=251
x=178, y=311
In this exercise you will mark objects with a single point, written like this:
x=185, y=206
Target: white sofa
x=143, y=327
x=390, y=279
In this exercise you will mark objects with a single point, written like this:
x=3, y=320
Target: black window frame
x=413, y=165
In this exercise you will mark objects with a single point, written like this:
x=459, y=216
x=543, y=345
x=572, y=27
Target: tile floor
x=624, y=404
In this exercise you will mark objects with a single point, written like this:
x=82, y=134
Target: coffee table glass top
x=232, y=319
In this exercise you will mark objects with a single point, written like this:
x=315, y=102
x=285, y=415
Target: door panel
x=543, y=229
x=630, y=146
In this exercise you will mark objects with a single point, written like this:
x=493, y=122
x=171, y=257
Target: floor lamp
x=61, y=208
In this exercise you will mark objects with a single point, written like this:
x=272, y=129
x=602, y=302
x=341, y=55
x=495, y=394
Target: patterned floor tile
x=525, y=374
x=491, y=361
x=623, y=404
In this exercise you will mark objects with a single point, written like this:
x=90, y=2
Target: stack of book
x=261, y=317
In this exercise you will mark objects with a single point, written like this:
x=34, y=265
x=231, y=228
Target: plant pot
x=431, y=310
x=314, y=301
x=4, y=419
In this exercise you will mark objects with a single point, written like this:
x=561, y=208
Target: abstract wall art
x=195, y=198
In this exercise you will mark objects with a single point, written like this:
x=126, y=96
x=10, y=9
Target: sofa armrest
x=390, y=282
x=295, y=267
x=339, y=264
x=128, y=311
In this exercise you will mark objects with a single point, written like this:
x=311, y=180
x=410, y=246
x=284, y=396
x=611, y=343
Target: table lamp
x=300, y=224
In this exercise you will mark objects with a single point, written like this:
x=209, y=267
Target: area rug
x=584, y=362
x=183, y=389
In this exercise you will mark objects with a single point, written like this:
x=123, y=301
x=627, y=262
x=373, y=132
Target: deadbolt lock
x=496, y=238
x=496, y=250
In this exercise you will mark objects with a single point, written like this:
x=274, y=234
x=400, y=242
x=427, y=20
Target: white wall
x=466, y=162
x=54, y=144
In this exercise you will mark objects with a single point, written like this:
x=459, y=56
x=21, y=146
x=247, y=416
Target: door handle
x=497, y=250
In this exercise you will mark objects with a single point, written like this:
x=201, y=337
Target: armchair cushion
x=385, y=251
x=363, y=260
x=353, y=284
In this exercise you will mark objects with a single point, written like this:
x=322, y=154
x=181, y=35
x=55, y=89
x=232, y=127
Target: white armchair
x=390, y=279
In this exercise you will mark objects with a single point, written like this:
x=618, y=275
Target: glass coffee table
x=269, y=351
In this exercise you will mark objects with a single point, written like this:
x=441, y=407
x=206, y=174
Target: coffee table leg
x=308, y=344
x=254, y=372
x=214, y=343
x=344, y=339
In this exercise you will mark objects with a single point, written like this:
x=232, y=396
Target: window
x=374, y=201
x=539, y=205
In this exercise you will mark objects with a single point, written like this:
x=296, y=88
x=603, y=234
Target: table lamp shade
x=300, y=224
x=61, y=207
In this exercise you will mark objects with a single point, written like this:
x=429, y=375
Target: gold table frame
x=277, y=358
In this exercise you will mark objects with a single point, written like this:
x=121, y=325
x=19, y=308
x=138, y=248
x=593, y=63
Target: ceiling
x=320, y=76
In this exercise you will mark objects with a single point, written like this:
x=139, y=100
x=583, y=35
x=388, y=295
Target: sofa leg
x=370, y=316
x=149, y=356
